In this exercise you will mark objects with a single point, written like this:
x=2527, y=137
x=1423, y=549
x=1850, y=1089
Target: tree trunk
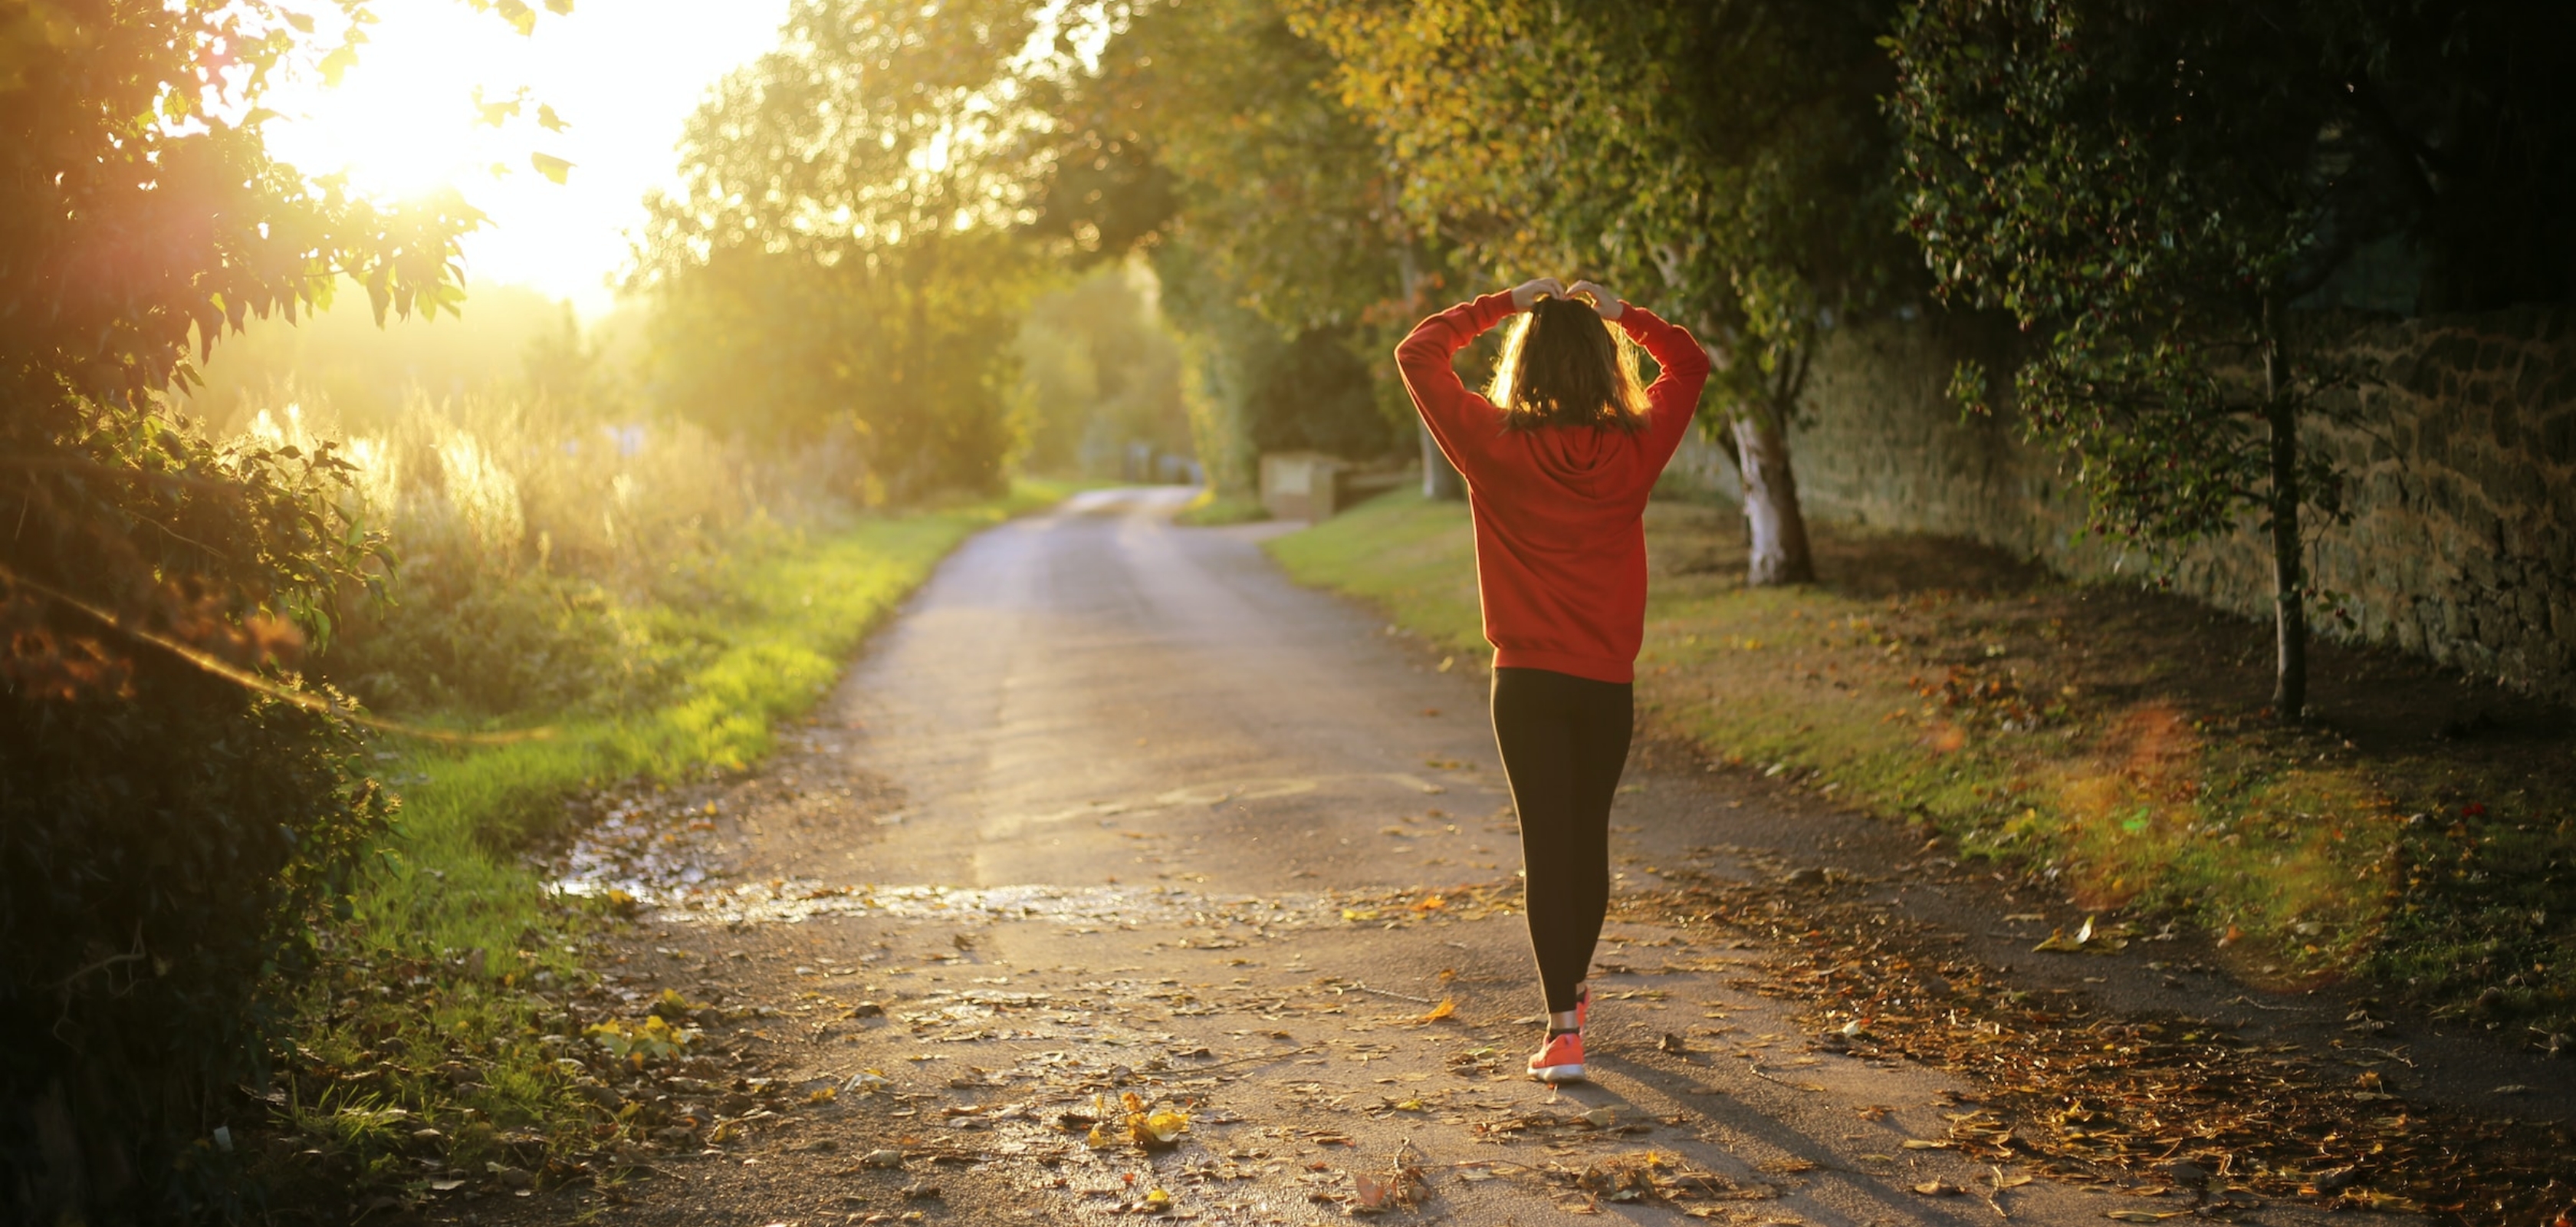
x=1778, y=528
x=1440, y=479
x=2289, y=579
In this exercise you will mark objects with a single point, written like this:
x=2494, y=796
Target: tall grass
x=539, y=551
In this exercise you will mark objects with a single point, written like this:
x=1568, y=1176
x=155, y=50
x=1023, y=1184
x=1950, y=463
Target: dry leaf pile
x=2170, y=1099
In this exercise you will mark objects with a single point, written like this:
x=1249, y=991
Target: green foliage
x=842, y=265
x=2151, y=189
x=1413, y=558
x=2148, y=190
x=453, y=941
x=146, y=907
x=166, y=833
x=1099, y=370
x=1722, y=164
x=539, y=548
x=1213, y=510
x=1205, y=136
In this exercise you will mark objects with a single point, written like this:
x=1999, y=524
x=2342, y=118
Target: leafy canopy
x=844, y=255
x=2145, y=187
x=1724, y=163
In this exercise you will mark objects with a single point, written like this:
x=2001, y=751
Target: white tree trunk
x=1779, y=553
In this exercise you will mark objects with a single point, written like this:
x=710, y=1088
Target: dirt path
x=1116, y=810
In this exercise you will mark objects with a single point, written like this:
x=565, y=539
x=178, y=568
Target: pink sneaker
x=1560, y=1059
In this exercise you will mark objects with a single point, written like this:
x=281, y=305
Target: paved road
x=1113, y=807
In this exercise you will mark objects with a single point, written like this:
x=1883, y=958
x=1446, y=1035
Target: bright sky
x=624, y=74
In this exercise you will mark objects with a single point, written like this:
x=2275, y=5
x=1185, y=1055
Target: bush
x=160, y=853
x=542, y=553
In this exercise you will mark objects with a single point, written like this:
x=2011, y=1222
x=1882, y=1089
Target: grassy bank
x=1209, y=510
x=435, y=1049
x=2421, y=831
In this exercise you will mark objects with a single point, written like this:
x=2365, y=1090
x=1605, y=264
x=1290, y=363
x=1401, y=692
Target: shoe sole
x=1557, y=1073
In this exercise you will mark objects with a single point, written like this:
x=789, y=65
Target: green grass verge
x=448, y=995
x=1210, y=511
x=1412, y=557
x=2050, y=728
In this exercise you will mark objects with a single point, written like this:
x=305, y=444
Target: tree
x=844, y=254
x=1204, y=137
x=1726, y=164
x=174, y=802
x=2151, y=189
x=1099, y=372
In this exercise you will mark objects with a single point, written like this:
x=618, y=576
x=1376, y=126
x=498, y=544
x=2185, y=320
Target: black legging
x=1564, y=740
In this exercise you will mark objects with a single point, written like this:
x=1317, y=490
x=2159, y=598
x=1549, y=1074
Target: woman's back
x=1560, y=546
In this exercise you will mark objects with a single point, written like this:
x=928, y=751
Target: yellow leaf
x=1447, y=1007
x=1159, y=1128
x=551, y=166
x=1925, y=1144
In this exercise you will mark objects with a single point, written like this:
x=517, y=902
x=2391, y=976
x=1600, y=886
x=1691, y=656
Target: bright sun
x=623, y=76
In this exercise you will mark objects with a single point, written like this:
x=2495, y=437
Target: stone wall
x=2462, y=469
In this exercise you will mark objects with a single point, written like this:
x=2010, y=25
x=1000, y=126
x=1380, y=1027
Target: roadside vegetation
x=296, y=659
x=604, y=606
x=2111, y=742
x=1211, y=509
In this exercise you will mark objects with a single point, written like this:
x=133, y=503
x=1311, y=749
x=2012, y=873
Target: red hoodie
x=1560, y=528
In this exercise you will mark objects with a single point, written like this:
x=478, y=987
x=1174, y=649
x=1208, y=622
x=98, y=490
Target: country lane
x=1115, y=810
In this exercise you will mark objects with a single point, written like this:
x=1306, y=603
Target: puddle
x=791, y=902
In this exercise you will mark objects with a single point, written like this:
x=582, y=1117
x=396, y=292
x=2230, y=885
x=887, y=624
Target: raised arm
x=1451, y=411
x=1674, y=396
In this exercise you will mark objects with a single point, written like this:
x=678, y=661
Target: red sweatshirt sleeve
x=1674, y=397
x=1451, y=411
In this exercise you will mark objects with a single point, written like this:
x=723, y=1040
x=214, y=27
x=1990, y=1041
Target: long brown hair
x=1561, y=366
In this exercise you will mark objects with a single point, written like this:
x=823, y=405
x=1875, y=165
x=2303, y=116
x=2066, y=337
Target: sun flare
x=443, y=96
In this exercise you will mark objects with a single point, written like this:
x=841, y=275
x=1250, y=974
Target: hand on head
x=1602, y=300
x=1529, y=292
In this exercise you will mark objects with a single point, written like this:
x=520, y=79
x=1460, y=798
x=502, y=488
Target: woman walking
x=1558, y=461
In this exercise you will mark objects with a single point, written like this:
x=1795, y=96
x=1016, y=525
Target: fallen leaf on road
x=2143, y=1216
x=1447, y=1007
x=2106, y=939
x=1925, y=1144
x=1938, y=1188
